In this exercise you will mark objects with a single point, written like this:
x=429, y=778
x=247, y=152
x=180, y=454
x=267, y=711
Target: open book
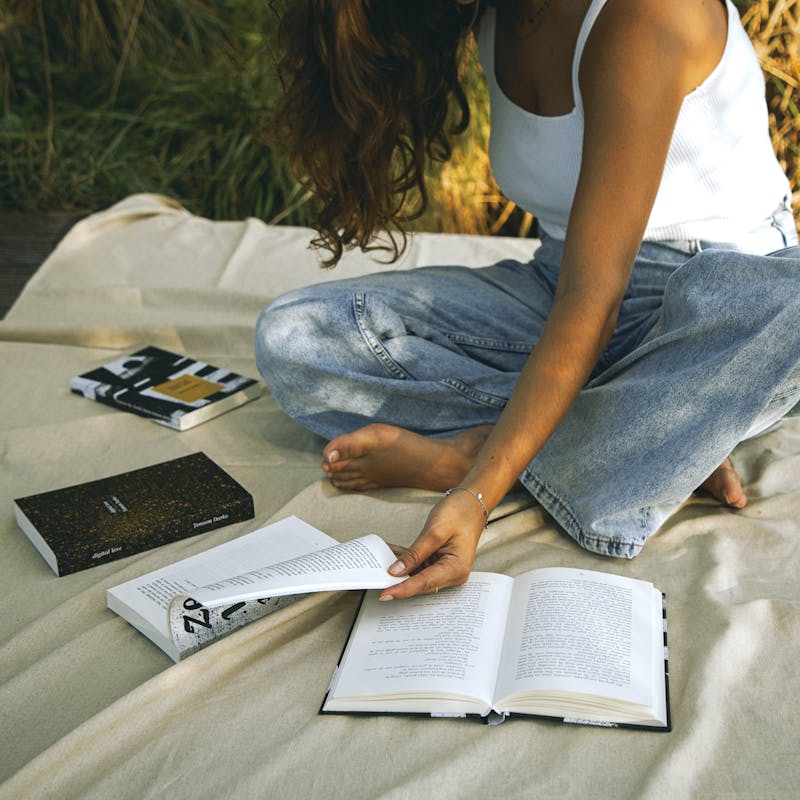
x=582, y=646
x=190, y=604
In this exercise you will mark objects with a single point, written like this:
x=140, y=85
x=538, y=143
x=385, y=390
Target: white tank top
x=721, y=177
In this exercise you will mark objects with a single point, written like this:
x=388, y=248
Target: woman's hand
x=442, y=555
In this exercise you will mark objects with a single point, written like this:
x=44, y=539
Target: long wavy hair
x=371, y=93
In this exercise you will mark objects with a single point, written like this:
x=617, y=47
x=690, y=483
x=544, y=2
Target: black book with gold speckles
x=99, y=521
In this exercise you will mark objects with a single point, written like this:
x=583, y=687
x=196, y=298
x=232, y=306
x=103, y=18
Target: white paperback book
x=188, y=605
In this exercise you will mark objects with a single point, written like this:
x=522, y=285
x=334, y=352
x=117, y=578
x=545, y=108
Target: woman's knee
x=274, y=328
x=289, y=331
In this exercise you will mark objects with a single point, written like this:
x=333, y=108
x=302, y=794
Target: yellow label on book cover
x=188, y=388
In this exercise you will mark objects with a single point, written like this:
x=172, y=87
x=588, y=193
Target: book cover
x=168, y=388
x=81, y=526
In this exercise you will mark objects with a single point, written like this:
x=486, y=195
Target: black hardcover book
x=576, y=645
x=92, y=523
x=168, y=388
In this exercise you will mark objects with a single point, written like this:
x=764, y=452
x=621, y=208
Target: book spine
x=141, y=410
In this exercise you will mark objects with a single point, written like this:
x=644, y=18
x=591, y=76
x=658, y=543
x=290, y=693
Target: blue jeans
x=706, y=352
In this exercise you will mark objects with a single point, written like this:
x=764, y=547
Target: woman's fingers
x=412, y=558
x=442, y=555
x=441, y=574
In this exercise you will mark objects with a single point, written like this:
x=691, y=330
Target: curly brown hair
x=371, y=92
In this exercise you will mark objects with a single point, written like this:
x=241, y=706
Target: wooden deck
x=25, y=242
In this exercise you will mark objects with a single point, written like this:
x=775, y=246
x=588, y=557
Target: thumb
x=411, y=558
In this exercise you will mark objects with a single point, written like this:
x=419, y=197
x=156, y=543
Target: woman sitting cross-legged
x=655, y=328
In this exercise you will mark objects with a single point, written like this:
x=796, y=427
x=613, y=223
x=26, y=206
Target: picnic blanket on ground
x=91, y=709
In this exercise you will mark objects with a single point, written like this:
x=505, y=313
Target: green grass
x=172, y=97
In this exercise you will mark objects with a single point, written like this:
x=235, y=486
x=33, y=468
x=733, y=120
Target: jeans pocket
x=480, y=396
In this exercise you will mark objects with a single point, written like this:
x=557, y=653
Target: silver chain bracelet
x=477, y=495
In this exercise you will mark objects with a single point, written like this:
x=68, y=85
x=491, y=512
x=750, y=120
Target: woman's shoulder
x=689, y=20
x=687, y=36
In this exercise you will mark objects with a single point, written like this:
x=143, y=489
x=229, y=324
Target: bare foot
x=380, y=455
x=725, y=485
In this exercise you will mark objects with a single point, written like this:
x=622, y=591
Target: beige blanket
x=91, y=709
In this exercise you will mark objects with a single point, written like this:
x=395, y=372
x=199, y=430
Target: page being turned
x=358, y=564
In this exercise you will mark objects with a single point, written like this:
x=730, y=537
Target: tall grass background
x=104, y=98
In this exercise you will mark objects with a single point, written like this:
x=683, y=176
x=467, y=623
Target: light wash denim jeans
x=706, y=353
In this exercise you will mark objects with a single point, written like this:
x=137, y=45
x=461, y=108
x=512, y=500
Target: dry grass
x=465, y=198
x=774, y=27
x=468, y=200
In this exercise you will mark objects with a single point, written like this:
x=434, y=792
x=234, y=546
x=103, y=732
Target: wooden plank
x=25, y=242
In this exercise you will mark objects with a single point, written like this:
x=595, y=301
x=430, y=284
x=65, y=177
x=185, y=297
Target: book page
x=144, y=601
x=358, y=564
x=579, y=631
x=444, y=643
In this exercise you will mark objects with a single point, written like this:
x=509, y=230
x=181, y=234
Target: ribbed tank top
x=721, y=177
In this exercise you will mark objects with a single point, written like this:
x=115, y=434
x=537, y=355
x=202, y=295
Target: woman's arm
x=642, y=58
